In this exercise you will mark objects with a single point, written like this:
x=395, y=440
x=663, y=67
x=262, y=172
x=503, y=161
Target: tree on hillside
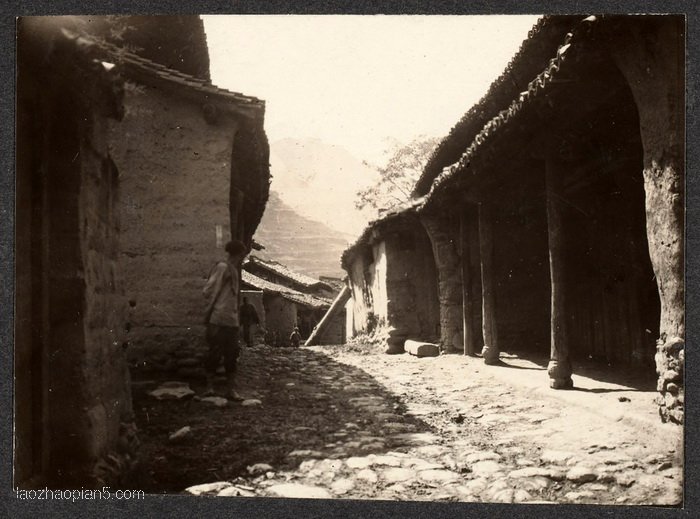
x=398, y=176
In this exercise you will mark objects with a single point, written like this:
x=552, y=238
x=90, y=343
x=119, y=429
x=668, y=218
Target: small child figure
x=295, y=337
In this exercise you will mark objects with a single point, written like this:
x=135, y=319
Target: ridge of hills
x=300, y=243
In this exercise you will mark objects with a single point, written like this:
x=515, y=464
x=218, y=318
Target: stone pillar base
x=395, y=342
x=560, y=374
x=670, y=358
x=491, y=355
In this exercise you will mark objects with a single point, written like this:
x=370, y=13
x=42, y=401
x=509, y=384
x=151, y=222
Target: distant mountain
x=302, y=244
x=320, y=181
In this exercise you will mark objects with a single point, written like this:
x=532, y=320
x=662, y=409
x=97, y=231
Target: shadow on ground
x=312, y=407
x=639, y=378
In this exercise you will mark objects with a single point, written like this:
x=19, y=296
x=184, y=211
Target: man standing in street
x=249, y=318
x=221, y=319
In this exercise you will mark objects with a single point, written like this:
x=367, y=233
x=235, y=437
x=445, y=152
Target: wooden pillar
x=559, y=368
x=468, y=241
x=488, y=296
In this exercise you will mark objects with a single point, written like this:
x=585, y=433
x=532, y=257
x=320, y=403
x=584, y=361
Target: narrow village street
x=337, y=421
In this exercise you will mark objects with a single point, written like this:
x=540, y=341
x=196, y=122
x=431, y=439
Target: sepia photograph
x=416, y=258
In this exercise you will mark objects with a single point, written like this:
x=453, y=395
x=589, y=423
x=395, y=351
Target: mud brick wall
x=367, y=278
x=79, y=368
x=104, y=370
x=413, y=306
x=280, y=317
x=175, y=172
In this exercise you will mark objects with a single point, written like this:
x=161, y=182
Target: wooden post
x=490, y=350
x=559, y=368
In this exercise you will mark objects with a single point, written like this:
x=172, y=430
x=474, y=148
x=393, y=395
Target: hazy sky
x=358, y=80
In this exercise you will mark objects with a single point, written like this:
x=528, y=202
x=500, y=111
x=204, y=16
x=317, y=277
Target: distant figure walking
x=249, y=318
x=222, y=317
x=295, y=337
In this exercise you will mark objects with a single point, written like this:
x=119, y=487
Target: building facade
x=555, y=207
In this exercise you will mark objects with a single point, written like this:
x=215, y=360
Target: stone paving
x=456, y=431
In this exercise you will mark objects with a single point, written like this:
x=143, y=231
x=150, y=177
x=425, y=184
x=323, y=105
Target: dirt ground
x=338, y=422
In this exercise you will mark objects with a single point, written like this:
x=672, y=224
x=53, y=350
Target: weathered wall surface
x=335, y=333
x=413, y=306
x=71, y=332
x=368, y=284
x=255, y=298
x=175, y=174
x=280, y=316
x=104, y=370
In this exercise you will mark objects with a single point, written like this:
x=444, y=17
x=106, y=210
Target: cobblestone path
x=325, y=423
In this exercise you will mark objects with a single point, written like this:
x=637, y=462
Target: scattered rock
x=557, y=457
x=342, y=486
x=208, y=488
x=575, y=496
x=625, y=479
x=171, y=391
x=250, y=402
x=303, y=453
x=234, y=491
x=581, y=474
x=367, y=475
x=391, y=461
x=396, y=475
x=421, y=349
x=215, y=401
x=623, y=399
x=438, y=476
x=664, y=466
x=421, y=464
x=358, y=463
x=181, y=434
x=258, y=468
x=504, y=495
x=521, y=495
x=534, y=483
x=431, y=450
x=482, y=456
x=295, y=490
x=417, y=438
x=485, y=467
x=529, y=472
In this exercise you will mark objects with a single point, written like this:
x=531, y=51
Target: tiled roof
x=134, y=63
x=281, y=270
x=288, y=293
x=410, y=206
x=533, y=54
x=480, y=135
x=562, y=55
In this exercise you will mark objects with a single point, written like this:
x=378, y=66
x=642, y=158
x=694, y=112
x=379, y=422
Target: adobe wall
x=105, y=370
x=413, y=307
x=281, y=317
x=175, y=173
x=79, y=389
x=368, y=286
